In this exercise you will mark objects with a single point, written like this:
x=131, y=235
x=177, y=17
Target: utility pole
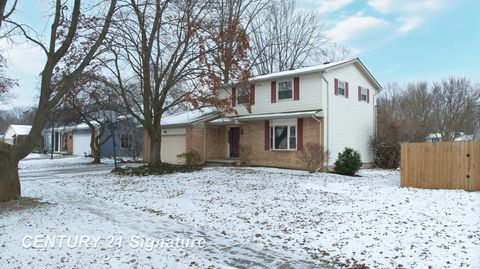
x=112, y=130
x=52, y=140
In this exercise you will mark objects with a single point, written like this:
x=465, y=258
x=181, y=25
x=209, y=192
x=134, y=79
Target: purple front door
x=234, y=140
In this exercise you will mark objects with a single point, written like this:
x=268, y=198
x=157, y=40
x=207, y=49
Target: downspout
x=319, y=138
x=375, y=129
x=204, y=142
x=328, y=120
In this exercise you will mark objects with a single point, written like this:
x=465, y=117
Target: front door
x=234, y=141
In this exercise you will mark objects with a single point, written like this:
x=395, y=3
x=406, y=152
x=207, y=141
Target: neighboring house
x=15, y=132
x=438, y=137
x=331, y=104
x=68, y=140
x=433, y=137
x=75, y=139
x=128, y=139
x=464, y=137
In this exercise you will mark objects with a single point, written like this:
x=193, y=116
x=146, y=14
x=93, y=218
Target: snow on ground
x=60, y=220
x=36, y=162
x=325, y=217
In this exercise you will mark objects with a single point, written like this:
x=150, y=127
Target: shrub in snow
x=146, y=170
x=313, y=156
x=348, y=162
x=190, y=157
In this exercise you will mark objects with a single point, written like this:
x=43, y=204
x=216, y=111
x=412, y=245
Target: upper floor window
x=285, y=90
x=341, y=87
x=363, y=94
x=242, y=96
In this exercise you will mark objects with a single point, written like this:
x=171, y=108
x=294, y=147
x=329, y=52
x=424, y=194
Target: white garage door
x=172, y=145
x=81, y=144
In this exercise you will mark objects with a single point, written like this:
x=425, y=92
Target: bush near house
x=348, y=162
x=162, y=169
x=313, y=156
x=190, y=157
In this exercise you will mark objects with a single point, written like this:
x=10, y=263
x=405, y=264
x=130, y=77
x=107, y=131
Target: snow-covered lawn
x=323, y=217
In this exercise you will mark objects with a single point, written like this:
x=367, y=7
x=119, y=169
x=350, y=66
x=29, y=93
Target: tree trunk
x=154, y=150
x=94, y=145
x=9, y=180
x=97, y=154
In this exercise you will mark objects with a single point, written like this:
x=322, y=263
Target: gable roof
x=320, y=69
x=21, y=129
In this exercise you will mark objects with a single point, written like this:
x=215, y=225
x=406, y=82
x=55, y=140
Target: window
x=285, y=90
x=363, y=94
x=126, y=141
x=242, y=97
x=283, y=137
x=341, y=87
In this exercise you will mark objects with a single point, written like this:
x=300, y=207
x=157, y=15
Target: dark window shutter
x=368, y=96
x=299, y=134
x=273, y=91
x=234, y=96
x=346, y=89
x=267, y=135
x=359, y=93
x=296, y=88
x=336, y=87
x=252, y=94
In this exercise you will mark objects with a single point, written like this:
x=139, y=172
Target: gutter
x=281, y=115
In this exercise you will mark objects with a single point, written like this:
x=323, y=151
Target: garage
x=172, y=145
x=81, y=144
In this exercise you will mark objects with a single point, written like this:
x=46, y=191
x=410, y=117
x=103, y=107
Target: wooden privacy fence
x=441, y=165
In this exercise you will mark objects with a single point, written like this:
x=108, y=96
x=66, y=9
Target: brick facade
x=216, y=143
x=196, y=140
x=212, y=143
x=254, y=134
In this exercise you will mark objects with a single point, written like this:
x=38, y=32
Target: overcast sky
x=398, y=40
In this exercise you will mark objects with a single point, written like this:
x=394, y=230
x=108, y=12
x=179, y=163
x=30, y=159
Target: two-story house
x=332, y=104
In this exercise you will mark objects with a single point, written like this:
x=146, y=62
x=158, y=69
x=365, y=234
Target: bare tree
x=335, y=52
x=409, y=114
x=285, y=37
x=6, y=83
x=455, y=107
x=64, y=64
x=90, y=101
x=5, y=12
x=233, y=20
x=390, y=127
x=163, y=57
x=416, y=106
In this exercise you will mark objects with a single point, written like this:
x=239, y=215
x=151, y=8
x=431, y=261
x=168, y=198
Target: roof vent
x=326, y=62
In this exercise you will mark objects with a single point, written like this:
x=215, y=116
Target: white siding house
x=15, y=131
x=278, y=114
x=348, y=117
